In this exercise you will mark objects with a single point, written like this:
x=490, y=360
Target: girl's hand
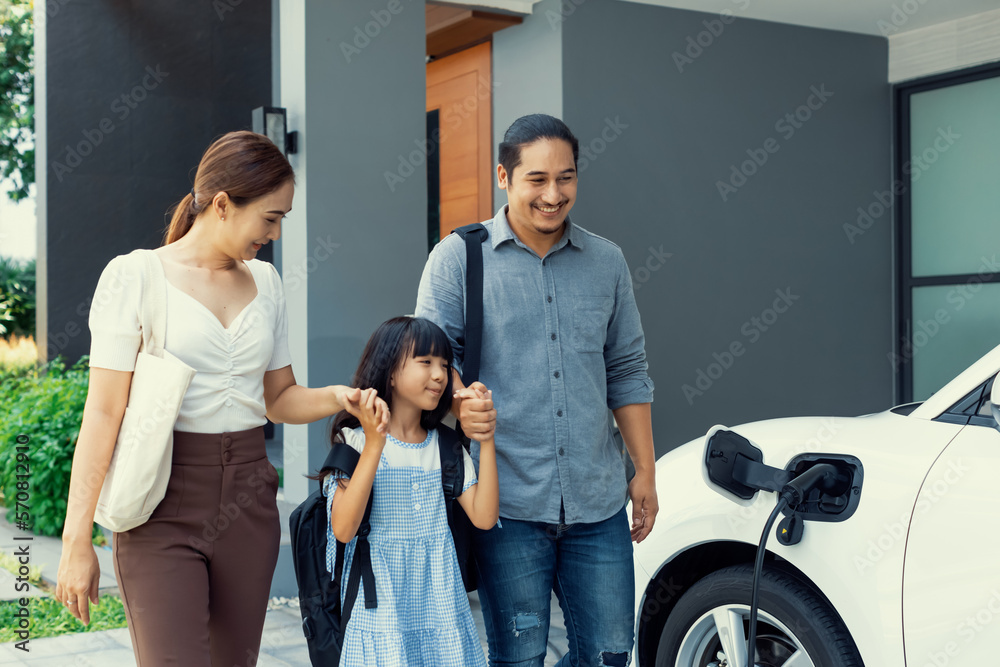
x=77, y=578
x=353, y=398
x=476, y=413
x=371, y=411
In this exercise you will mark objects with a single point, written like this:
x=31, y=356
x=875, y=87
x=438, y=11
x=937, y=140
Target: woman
x=195, y=577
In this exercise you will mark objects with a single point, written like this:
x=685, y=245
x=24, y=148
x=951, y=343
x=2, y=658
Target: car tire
x=795, y=625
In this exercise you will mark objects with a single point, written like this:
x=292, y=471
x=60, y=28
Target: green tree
x=17, y=96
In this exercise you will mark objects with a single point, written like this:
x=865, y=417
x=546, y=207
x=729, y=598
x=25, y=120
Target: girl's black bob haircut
x=389, y=347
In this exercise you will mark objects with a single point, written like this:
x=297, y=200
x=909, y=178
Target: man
x=562, y=344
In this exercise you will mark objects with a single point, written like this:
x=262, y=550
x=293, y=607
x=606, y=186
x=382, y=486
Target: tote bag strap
x=153, y=317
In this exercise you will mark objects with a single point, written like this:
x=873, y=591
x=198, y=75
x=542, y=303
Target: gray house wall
x=751, y=294
x=130, y=95
x=353, y=247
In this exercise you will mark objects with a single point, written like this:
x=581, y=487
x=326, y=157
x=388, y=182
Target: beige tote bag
x=140, y=466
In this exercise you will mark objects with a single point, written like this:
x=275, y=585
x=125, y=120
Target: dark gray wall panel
x=142, y=148
x=651, y=181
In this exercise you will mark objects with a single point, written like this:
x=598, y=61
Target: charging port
x=836, y=501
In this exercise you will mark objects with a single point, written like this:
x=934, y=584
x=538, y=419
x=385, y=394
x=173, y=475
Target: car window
x=967, y=407
x=984, y=403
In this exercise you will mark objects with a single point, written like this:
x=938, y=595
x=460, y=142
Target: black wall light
x=272, y=122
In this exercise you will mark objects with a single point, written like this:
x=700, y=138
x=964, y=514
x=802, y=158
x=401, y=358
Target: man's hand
x=642, y=491
x=475, y=411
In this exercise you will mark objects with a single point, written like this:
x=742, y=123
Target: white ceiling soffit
x=519, y=6
x=870, y=17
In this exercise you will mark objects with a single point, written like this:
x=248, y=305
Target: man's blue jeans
x=589, y=565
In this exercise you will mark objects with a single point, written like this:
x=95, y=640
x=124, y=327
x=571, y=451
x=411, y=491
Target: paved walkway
x=282, y=643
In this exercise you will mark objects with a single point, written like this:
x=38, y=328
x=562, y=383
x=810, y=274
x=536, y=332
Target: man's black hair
x=529, y=129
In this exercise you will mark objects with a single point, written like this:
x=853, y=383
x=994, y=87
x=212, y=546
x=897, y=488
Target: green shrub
x=49, y=617
x=46, y=407
x=17, y=297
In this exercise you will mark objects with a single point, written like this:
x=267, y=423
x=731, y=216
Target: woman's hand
x=77, y=578
x=371, y=411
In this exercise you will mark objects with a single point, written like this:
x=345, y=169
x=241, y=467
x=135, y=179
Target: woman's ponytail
x=183, y=218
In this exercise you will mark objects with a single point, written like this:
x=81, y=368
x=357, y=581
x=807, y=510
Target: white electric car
x=898, y=563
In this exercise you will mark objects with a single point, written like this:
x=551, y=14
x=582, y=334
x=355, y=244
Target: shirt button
x=556, y=374
x=417, y=506
x=561, y=451
x=231, y=382
x=549, y=299
x=229, y=365
x=226, y=456
x=558, y=413
x=553, y=336
x=229, y=402
x=416, y=487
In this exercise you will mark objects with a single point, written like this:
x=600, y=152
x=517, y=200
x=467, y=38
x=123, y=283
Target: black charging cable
x=822, y=475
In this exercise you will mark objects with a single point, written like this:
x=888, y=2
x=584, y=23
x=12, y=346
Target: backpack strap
x=345, y=458
x=451, y=444
x=473, y=235
x=452, y=463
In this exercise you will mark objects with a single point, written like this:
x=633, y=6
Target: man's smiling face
x=541, y=189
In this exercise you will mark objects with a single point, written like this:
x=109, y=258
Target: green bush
x=46, y=407
x=49, y=617
x=17, y=297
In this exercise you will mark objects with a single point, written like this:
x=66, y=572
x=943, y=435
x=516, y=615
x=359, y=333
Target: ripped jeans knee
x=525, y=621
x=610, y=659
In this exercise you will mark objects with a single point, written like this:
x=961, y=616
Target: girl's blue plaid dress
x=423, y=615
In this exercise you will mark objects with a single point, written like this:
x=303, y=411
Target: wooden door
x=459, y=86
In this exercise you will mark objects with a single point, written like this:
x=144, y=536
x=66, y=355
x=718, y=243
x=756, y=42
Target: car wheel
x=795, y=627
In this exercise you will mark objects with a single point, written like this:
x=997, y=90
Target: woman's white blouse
x=227, y=392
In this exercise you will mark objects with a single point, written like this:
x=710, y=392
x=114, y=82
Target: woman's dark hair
x=387, y=350
x=529, y=129
x=242, y=164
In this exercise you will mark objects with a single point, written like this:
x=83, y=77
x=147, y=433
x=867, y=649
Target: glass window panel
x=953, y=326
x=955, y=172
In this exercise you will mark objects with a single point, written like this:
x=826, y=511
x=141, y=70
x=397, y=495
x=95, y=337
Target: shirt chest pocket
x=591, y=315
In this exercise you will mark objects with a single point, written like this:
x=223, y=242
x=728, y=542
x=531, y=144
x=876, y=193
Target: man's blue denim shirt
x=562, y=343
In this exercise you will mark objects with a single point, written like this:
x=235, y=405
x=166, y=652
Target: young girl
x=423, y=615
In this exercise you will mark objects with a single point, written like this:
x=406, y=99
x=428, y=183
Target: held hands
x=77, y=579
x=371, y=411
x=642, y=491
x=475, y=411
